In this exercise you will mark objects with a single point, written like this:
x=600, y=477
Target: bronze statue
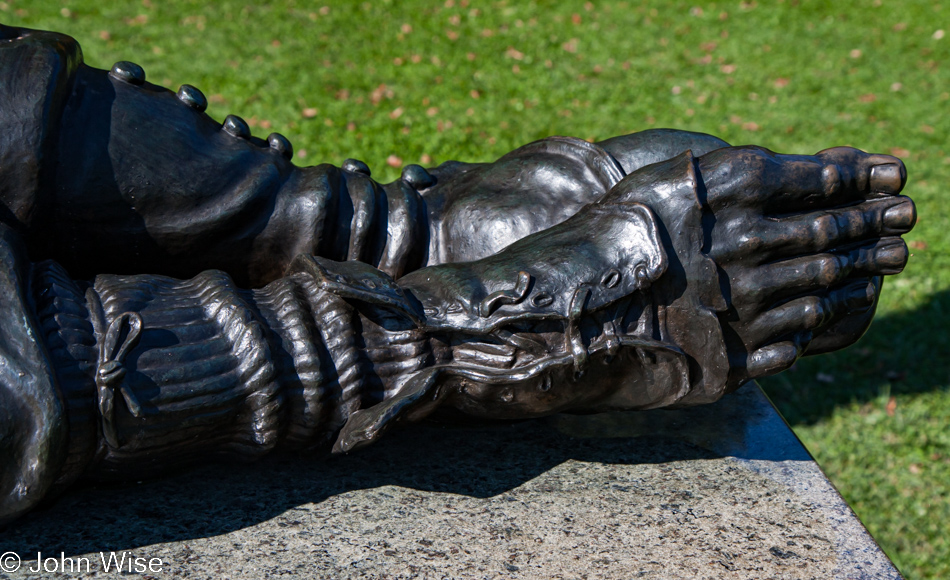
x=174, y=288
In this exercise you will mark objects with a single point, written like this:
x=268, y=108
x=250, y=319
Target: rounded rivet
x=542, y=299
x=128, y=72
x=356, y=166
x=417, y=176
x=611, y=278
x=281, y=144
x=193, y=98
x=237, y=127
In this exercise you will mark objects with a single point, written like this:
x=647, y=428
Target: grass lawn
x=411, y=82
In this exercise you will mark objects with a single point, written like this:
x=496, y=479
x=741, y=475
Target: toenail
x=859, y=296
x=888, y=178
x=902, y=216
x=890, y=259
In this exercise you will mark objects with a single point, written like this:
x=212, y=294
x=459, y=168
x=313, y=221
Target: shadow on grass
x=902, y=353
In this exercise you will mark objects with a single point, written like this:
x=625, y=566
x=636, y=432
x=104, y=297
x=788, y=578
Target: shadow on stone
x=480, y=462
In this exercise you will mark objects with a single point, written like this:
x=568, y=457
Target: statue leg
x=148, y=372
x=685, y=274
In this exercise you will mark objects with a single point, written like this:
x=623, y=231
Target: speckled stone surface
x=723, y=491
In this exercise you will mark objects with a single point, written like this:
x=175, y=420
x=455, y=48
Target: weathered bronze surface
x=174, y=288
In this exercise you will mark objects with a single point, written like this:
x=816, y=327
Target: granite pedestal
x=722, y=491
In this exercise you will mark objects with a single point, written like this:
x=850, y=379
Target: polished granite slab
x=722, y=491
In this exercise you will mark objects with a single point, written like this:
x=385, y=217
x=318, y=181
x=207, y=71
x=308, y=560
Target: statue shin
x=174, y=288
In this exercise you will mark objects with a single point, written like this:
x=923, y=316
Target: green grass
x=453, y=80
